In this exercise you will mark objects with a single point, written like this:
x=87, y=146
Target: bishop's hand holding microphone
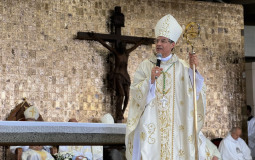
x=156, y=71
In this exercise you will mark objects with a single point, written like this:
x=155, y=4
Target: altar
x=61, y=133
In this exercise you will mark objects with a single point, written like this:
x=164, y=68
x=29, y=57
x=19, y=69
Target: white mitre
x=32, y=113
x=168, y=27
x=107, y=118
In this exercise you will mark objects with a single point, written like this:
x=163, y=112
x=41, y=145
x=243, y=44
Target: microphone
x=159, y=56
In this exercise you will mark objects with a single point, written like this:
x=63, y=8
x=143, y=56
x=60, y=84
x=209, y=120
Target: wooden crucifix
x=120, y=76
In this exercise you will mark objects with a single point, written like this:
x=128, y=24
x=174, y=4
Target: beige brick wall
x=64, y=77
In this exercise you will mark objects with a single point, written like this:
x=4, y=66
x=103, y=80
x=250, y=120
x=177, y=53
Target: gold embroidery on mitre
x=182, y=79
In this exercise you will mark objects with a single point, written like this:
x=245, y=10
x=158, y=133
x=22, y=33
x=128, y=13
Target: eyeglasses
x=161, y=40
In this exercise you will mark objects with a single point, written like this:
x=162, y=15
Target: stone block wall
x=40, y=59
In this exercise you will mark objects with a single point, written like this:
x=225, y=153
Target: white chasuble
x=36, y=155
x=29, y=154
x=211, y=151
x=165, y=125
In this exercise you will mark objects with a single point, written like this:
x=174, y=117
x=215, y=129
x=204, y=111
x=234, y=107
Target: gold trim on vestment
x=166, y=120
x=173, y=115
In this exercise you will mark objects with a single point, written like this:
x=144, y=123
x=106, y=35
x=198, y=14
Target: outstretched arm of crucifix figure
x=137, y=44
x=103, y=43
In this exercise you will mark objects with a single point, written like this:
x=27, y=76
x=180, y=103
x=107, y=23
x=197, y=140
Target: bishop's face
x=164, y=46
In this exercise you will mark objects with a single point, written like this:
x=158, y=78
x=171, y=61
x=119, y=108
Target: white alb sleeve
x=199, y=81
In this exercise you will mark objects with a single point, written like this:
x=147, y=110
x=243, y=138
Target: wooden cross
x=120, y=78
x=117, y=20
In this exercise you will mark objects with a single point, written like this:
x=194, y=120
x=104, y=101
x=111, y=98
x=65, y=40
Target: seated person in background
x=207, y=150
x=251, y=131
x=233, y=147
x=86, y=152
x=79, y=152
x=33, y=152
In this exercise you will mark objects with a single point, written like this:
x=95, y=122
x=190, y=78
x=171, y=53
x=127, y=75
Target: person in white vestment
x=160, y=122
x=251, y=131
x=207, y=150
x=233, y=147
x=33, y=152
x=87, y=152
x=78, y=152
